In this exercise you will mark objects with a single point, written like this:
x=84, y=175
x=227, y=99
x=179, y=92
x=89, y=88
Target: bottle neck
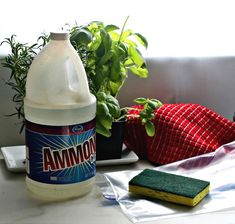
x=60, y=42
x=59, y=35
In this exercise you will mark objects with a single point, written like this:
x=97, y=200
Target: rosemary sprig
x=19, y=61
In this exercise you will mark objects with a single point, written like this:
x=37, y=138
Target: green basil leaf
x=150, y=129
x=105, y=58
x=102, y=109
x=95, y=26
x=143, y=114
x=114, y=35
x=112, y=100
x=115, y=69
x=144, y=120
x=129, y=62
x=135, y=56
x=141, y=39
x=102, y=130
x=99, y=77
x=159, y=103
x=114, y=110
x=122, y=52
x=151, y=116
x=113, y=106
x=100, y=52
x=111, y=27
x=131, y=43
x=106, y=40
x=126, y=34
x=141, y=72
x=115, y=87
x=140, y=100
x=123, y=48
x=106, y=121
x=101, y=96
x=95, y=43
x=81, y=36
x=152, y=104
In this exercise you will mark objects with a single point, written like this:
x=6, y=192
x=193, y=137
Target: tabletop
x=18, y=206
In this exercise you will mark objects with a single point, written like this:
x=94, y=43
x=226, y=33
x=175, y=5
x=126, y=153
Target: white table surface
x=18, y=206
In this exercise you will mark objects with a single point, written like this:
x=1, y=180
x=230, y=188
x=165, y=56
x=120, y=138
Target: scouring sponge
x=169, y=187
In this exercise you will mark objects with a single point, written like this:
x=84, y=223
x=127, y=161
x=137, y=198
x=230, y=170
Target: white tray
x=128, y=156
x=15, y=158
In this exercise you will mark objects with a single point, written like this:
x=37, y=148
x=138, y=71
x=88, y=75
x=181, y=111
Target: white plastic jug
x=60, y=123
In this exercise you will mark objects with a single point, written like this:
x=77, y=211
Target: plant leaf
x=141, y=39
x=81, y=36
x=113, y=100
x=114, y=35
x=152, y=104
x=126, y=34
x=100, y=52
x=106, y=121
x=140, y=100
x=106, y=40
x=135, y=56
x=105, y=58
x=102, y=109
x=95, y=44
x=101, y=96
x=141, y=72
x=159, y=103
x=111, y=27
x=131, y=43
x=113, y=106
x=114, y=110
x=115, y=74
x=150, y=129
x=129, y=62
x=102, y=130
x=115, y=87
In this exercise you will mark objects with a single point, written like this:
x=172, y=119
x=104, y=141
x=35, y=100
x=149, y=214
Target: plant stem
x=129, y=115
x=123, y=27
x=132, y=108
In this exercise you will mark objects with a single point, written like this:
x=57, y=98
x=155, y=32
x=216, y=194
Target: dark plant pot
x=111, y=148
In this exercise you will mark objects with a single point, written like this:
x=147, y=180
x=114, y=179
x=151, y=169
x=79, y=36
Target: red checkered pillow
x=182, y=131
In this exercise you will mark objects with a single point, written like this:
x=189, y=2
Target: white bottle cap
x=60, y=35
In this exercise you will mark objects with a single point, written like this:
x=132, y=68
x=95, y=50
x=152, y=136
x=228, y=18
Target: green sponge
x=169, y=187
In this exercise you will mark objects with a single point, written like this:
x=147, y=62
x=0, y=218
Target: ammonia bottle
x=60, y=123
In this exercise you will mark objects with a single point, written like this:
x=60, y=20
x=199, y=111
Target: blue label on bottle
x=60, y=154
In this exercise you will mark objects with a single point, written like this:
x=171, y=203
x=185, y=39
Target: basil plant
x=108, y=53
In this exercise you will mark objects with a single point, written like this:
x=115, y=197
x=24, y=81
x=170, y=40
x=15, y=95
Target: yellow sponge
x=169, y=187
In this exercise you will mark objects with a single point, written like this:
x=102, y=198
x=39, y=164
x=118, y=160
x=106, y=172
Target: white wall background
x=173, y=27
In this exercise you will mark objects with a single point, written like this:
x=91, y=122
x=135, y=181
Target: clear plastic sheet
x=217, y=167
